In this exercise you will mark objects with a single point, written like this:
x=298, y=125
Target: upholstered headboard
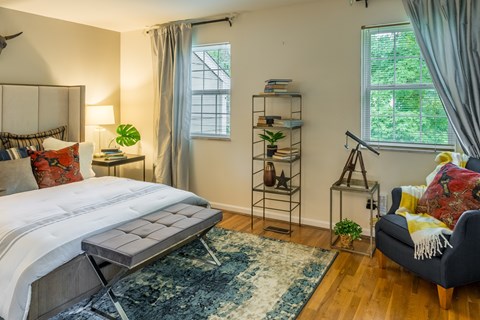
x=26, y=109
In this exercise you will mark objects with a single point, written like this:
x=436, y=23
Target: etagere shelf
x=277, y=199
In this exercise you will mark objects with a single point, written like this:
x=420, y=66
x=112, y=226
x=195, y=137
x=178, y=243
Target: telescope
x=355, y=155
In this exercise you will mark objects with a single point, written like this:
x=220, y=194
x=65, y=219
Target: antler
x=13, y=36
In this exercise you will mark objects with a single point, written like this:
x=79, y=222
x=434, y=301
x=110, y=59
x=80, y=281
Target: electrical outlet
x=369, y=204
x=383, y=204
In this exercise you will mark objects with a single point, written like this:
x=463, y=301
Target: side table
x=102, y=162
x=359, y=187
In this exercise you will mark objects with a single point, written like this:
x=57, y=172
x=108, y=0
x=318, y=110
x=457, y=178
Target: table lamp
x=98, y=116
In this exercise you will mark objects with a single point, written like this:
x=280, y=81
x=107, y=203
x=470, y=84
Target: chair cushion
x=453, y=191
x=473, y=164
x=395, y=226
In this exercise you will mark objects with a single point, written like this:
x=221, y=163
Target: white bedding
x=42, y=229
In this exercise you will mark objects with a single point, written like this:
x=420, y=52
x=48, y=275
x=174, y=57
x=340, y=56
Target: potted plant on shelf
x=348, y=231
x=271, y=137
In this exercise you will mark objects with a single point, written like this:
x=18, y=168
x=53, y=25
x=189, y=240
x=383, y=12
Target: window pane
x=408, y=70
x=382, y=45
x=381, y=103
x=406, y=45
x=400, y=104
x=210, y=82
x=383, y=71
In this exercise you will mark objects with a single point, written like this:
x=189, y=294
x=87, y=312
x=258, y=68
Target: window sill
x=206, y=137
x=411, y=147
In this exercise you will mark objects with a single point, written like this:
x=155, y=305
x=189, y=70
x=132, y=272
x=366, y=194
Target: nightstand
x=102, y=162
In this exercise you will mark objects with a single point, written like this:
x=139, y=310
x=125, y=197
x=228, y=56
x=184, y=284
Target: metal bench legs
x=107, y=285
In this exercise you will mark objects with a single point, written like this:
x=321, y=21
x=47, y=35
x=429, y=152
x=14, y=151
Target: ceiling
x=128, y=15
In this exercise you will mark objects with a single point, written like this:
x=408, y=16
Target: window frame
x=215, y=93
x=367, y=88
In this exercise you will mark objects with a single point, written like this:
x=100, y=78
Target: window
x=400, y=106
x=211, y=91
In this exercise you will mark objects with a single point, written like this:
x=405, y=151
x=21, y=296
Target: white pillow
x=85, y=151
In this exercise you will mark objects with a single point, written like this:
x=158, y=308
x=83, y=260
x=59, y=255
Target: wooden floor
x=355, y=288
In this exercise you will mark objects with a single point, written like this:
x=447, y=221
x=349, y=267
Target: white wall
x=317, y=45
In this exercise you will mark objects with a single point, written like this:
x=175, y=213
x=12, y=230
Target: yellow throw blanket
x=427, y=232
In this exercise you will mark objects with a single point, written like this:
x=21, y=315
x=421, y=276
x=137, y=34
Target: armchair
x=457, y=266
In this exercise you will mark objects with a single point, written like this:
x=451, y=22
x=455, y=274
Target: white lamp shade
x=99, y=115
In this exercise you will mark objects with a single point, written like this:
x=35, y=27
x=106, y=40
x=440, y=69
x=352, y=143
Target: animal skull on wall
x=3, y=40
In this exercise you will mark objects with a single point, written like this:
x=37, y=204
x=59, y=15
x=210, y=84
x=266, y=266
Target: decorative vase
x=271, y=150
x=269, y=175
x=346, y=241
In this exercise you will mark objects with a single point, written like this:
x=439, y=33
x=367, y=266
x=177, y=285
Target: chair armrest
x=467, y=229
x=396, y=197
x=460, y=263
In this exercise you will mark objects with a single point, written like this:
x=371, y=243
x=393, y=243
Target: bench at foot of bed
x=142, y=241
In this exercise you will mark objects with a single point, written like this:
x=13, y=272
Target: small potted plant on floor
x=348, y=231
x=271, y=137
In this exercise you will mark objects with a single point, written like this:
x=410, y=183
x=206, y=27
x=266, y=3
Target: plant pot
x=271, y=150
x=269, y=175
x=346, y=241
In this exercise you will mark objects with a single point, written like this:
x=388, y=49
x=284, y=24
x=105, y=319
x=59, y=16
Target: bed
x=42, y=270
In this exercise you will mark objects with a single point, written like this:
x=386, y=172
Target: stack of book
x=288, y=123
x=114, y=154
x=286, y=154
x=276, y=86
x=267, y=121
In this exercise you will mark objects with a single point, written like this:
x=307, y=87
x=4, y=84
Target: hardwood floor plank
x=356, y=288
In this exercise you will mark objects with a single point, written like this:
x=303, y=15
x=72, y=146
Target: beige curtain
x=171, y=49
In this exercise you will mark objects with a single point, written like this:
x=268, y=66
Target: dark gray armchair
x=457, y=266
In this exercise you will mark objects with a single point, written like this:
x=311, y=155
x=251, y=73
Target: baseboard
x=271, y=215
x=277, y=216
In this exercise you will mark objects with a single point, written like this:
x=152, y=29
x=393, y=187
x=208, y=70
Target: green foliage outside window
x=403, y=105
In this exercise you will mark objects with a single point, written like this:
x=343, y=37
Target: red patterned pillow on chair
x=56, y=167
x=452, y=191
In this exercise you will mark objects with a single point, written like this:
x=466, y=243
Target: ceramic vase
x=269, y=174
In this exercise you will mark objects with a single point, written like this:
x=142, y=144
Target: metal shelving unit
x=274, y=199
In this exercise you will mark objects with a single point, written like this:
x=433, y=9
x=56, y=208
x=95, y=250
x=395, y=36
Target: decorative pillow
x=11, y=140
x=16, y=176
x=85, y=151
x=56, y=167
x=15, y=153
x=452, y=191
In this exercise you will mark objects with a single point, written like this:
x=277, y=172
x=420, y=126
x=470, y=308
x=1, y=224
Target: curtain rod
x=226, y=19
x=386, y=25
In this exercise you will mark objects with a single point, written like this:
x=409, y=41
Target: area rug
x=259, y=278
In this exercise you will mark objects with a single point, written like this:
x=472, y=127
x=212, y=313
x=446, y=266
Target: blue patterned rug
x=259, y=278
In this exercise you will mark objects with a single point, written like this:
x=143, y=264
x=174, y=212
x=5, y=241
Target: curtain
x=171, y=49
x=448, y=33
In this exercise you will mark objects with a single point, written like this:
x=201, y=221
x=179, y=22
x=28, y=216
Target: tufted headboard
x=26, y=109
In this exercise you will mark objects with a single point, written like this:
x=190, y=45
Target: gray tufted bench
x=141, y=241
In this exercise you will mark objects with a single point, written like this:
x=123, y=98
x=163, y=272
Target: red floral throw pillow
x=452, y=191
x=56, y=167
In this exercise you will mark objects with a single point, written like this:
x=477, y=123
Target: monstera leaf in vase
x=128, y=135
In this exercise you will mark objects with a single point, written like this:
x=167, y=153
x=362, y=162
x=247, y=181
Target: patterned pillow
x=15, y=153
x=452, y=191
x=11, y=140
x=56, y=167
